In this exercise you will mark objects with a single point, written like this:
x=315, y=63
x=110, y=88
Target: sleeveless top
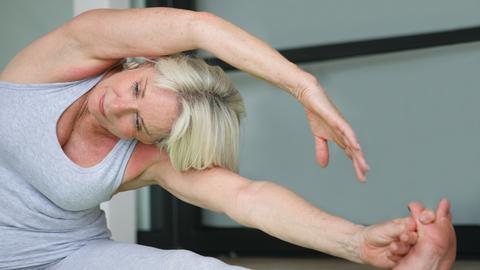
x=49, y=206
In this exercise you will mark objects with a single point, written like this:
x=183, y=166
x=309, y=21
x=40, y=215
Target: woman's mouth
x=101, y=106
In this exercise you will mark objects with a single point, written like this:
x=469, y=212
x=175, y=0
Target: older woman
x=78, y=127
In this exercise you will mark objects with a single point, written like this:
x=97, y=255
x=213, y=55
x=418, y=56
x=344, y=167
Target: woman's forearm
x=114, y=34
x=263, y=205
x=250, y=54
x=283, y=214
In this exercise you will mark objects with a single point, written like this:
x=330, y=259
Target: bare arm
x=98, y=38
x=277, y=211
x=260, y=204
x=95, y=40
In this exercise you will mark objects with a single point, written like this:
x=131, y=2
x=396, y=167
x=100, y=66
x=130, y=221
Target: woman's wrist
x=354, y=244
x=347, y=242
x=304, y=83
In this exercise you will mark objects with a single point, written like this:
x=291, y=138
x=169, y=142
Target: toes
x=443, y=209
x=427, y=216
x=416, y=209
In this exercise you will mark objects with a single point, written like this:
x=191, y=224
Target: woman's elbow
x=246, y=200
x=202, y=25
x=205, y=16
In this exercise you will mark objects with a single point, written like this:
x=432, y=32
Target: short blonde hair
x=207, y=130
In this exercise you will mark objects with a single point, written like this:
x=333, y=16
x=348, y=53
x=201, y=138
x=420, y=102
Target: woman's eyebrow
x=141, y=119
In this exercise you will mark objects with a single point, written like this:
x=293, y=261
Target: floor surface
x=320, y=264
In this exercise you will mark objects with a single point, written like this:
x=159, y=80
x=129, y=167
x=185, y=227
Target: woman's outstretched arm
x=285, y=215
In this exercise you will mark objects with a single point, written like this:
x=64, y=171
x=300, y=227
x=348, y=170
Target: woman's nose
x=122, y=106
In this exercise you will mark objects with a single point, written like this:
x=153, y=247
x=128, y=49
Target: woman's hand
x=383, y=245
x=400, y=242
x=328, y=124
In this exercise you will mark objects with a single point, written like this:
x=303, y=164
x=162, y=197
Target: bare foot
x=436, y=244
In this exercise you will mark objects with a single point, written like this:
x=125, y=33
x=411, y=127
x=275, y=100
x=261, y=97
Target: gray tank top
x=49, y=206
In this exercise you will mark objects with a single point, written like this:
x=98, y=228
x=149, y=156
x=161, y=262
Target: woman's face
x=128, y=105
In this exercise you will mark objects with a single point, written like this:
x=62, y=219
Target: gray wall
x=22, y=21
x=416, y=113
x=286, y=23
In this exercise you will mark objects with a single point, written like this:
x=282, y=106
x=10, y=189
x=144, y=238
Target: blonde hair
x=207, y=130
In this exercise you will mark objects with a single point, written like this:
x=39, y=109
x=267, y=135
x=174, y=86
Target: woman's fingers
x=363, y=161
x=329, y=125
x=360, y=173
x=340, y=141
x=399, y=248
x=409, y=238
x=321, y=151
x=393, y=257
x=409, y=223
x=360, y=165
x=393, y=230
x=355, y=154
x=357, y=166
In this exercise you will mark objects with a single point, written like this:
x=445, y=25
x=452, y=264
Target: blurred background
x=413, y=103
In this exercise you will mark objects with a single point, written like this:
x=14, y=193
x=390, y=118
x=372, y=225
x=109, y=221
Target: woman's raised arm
x=98, y=38
x=250, y=54
x=95, y=40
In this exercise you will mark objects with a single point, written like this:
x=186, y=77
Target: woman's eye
x=136, y=89
x=137, y=122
